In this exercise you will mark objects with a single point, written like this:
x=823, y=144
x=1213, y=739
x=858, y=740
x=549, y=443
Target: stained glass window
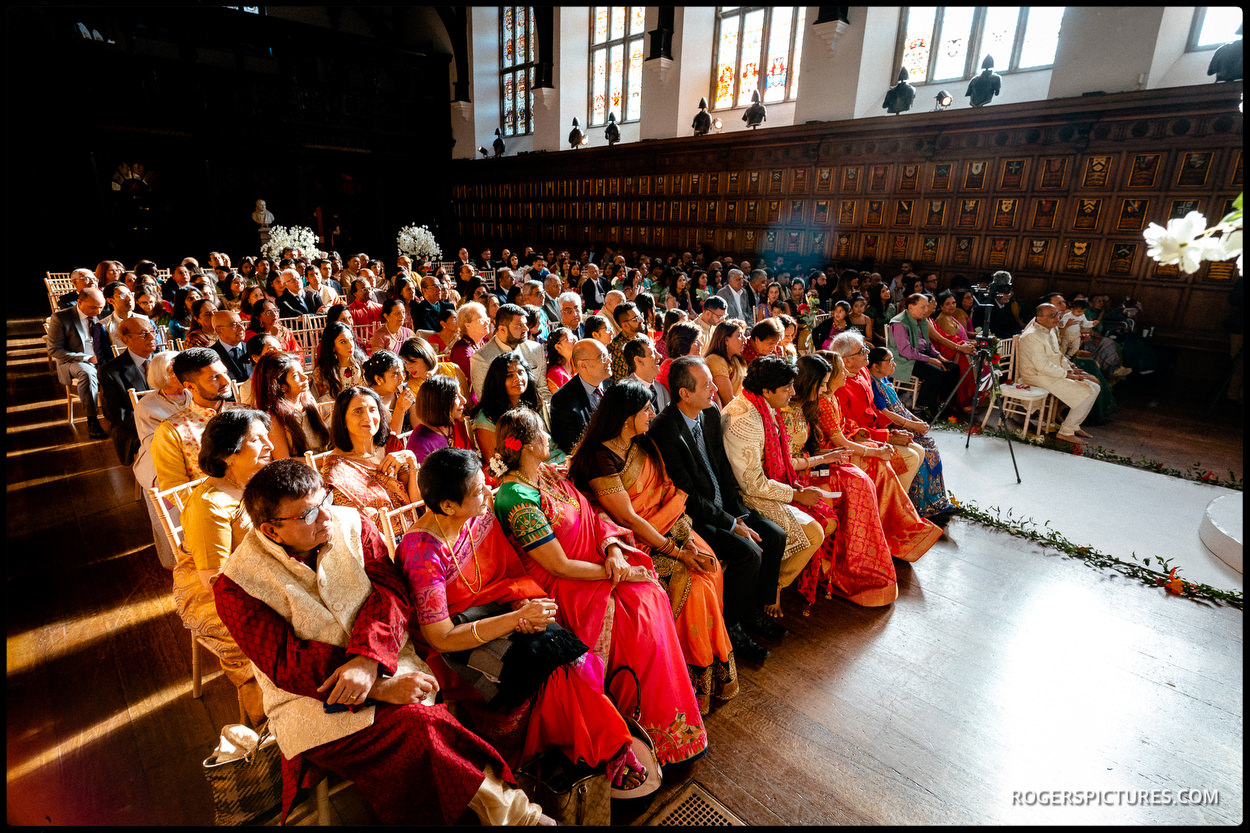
x=516, y=70
x=616, y=55
x=757, y=48
x=946, y=43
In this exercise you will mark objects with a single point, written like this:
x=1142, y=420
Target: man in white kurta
x=1041, y=364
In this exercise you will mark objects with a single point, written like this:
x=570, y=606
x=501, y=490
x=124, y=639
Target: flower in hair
x=497, y=466
x=512, y=444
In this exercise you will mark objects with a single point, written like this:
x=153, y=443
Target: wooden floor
x=1000, y=674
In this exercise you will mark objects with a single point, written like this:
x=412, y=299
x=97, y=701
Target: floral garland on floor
x=1165, y=576
x=1195, y=472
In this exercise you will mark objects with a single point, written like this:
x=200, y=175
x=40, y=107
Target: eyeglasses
x=309, y=515
x=235, y=325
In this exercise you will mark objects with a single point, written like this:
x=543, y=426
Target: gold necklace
x=519, y=476
x=477, y=568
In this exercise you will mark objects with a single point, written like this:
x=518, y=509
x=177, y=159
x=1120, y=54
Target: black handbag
x=508, y=670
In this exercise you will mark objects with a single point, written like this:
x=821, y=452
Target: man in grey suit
x=510, y=334
x=737, y=297
x=127, y=370
x=79, y=345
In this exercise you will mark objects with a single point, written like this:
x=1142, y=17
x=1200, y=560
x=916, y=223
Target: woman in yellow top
x=724, y=359
x=234, y=447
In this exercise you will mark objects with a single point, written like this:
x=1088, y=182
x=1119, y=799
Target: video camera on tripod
x=1000, y=284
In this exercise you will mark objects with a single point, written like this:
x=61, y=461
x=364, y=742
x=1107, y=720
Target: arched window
x=757, y=47
x=948, y=43
x=616, y=63
x=517, y=58
x=1213, y=26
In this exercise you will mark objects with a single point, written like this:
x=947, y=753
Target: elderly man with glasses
x=230, y=329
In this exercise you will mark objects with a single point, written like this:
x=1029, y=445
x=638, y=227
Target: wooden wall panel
x=1057, y=192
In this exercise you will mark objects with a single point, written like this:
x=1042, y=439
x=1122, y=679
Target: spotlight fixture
x=899, y=97
x=482, y=150
x=612, y=132
x=576, y=136
x=702, y=121
x=985, y=86
x=755, y=114
x=499, y=145
x=943, y=99
x=717, y=124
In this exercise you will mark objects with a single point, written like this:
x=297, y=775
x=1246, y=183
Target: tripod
x=980, y=359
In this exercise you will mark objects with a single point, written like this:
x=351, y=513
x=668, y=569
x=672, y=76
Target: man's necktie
x=702, y=447
x=146, y=362
x=595, y=396
x=99, y=340
x=655, y=397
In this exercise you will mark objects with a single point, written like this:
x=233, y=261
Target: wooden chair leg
x=197, y=682
x=323, y=802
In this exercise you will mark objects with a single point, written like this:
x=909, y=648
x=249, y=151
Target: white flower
x=1180, y=243
x=295, y=237
x=1229, y=246
x=418, y=241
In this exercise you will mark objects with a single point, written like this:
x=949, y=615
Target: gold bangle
x=473, y=627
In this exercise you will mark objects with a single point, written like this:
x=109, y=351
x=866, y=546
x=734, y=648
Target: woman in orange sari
x=909, y=535
x=620, y=468
x=468, y=588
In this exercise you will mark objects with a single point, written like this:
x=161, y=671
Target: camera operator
x=998, y=303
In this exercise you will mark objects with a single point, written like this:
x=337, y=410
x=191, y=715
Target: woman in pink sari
x=620, y=467
x=857, y=566
x=606, y=587
x=468, y=588
x=909, y=535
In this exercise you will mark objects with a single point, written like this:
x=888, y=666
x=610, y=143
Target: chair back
x=171, y=524
x=163, y=273
x=326, y=409
x=395, y=523
x=403, y=436
x=57, y=283
x=1006, y=365
x=136, y=395
x=314, y=460
x=306, y=330
x=488, y=278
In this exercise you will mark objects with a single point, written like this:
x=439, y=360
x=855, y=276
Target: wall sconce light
x=985, y=86
x=898, y=98
x=498, y=144
x=612, y=132
x=717, y=124
x=576, y=137
x=702, y=121
x=943, y=99
x=756, y=113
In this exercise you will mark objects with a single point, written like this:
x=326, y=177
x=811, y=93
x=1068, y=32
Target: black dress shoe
x=762, y=625
x=746, y=647
x=94, y=431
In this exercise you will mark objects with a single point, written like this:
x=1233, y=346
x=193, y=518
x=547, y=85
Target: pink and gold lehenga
x=570, y=711
x=630, y=624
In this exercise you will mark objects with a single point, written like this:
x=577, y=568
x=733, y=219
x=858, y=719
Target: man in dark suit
x=749, y=544
x=180, y=277
x=486, y=262
x=229, y=329
x=575, y=402
x=294, y=300
x=80, y=345
x=127, y=370
x=427, y=312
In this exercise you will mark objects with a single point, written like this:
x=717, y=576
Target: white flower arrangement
x=418, y=242
x=1187, y=241
x=295, y=237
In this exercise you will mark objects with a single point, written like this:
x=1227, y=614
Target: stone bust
x=262, y=216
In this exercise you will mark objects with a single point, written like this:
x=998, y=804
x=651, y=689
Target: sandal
x=624, y=767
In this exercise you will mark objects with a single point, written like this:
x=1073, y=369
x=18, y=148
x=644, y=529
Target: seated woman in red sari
x=908, y=534
x=855, y=562
x=468, y=589
x=440, y=410
x=763, y=341
x=621, y=468
x=606, y=587
x=368, y=467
